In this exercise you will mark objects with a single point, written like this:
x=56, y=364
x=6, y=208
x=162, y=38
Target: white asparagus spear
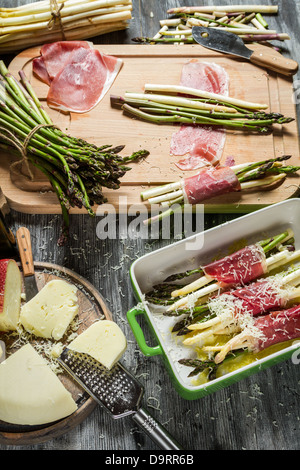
x=202, y=94
x=228, y=9
x=178, y=101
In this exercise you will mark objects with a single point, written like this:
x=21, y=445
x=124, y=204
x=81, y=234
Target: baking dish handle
x=139, y=335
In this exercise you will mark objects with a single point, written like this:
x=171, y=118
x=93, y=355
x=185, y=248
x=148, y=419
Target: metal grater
x=117, y=391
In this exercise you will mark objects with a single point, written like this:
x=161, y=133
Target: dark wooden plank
x=259, y=413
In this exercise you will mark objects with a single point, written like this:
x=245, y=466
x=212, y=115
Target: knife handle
x=276, y=63
x=24, y=243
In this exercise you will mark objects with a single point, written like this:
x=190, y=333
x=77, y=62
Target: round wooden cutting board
x=91, y=307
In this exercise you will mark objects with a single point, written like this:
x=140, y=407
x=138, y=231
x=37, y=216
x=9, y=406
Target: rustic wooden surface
x=163, y=64
x=259, y=413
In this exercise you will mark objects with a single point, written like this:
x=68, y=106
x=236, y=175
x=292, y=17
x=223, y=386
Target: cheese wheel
x=51, y=311
x=103, y=340
x=30, y=393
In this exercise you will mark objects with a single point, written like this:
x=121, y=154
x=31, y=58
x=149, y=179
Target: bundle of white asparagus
x=55, y=20
x=244, y=20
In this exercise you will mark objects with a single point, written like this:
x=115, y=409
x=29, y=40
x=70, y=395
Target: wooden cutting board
x=91, y=307
x=104, y=125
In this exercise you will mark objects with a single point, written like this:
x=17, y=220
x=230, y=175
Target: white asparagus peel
x=248, y=30
x=158, y=34
x=228, y=9
x=177, y=101
x=186, y=32
x=161, y=88
x=170, y=22
x=279, y=37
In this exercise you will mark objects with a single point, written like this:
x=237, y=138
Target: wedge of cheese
x=103, y=340
x=30, y=393
x=51, y=311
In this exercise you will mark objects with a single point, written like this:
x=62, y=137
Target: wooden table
x=258, y=413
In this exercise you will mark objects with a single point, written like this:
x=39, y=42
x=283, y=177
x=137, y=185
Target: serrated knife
x=24, y=244
x=229, y=43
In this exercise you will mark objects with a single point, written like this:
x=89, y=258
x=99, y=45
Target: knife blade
x=229, y=43
x=24, y=244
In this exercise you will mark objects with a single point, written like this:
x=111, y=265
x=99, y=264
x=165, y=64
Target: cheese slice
x=103, y=340
x=51, y=311
x=30, y=393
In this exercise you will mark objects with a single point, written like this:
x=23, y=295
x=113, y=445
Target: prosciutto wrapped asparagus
x=277, y=327
x=216, y=181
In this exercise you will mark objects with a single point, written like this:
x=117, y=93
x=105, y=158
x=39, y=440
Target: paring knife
x=229, y=43
x=24, y=244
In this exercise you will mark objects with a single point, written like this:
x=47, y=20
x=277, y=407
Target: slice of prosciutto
x=257, y=298
x=54, y=56
x=277, y=327
x=78, y=75
x=210, y=182
x=203, y=144
x=241, y=267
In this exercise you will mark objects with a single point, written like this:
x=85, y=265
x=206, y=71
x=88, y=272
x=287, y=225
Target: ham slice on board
x=203, y=144
x=78, y=75
x=210, y=182
x=241, y=267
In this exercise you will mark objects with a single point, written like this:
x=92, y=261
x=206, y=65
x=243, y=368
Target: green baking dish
x=189, y=253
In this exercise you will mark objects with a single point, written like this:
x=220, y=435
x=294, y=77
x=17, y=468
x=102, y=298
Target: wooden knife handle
x=276, y=63
x=24, y=244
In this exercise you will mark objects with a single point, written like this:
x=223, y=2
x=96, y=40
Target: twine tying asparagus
x=56, y=17
x=22, y=147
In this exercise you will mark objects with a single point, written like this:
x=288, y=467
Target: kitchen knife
x=229, y=43
x=24, y=244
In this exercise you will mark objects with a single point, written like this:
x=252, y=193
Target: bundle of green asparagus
x=76, y=169
x=167, y=104
x=244, y=20
x=50, y=21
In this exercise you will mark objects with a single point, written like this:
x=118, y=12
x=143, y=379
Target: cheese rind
x=30, y=393
x=51, y=311
x=103, y=340
x=10, y=294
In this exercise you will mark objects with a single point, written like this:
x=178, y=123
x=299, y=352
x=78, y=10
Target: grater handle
x=155, y=430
